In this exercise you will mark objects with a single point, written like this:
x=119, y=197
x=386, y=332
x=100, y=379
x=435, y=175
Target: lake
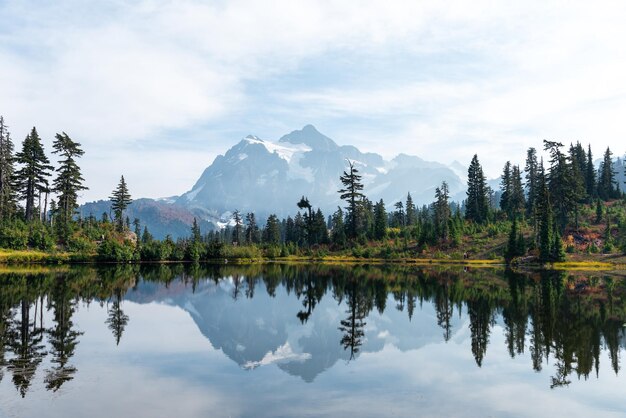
x=310, y=340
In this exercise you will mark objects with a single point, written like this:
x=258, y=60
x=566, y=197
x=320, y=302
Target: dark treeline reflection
x=558, y=318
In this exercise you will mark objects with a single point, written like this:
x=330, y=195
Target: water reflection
x=258, y=314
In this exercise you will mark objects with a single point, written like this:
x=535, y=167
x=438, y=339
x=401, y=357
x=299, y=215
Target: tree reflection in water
x=562, y=318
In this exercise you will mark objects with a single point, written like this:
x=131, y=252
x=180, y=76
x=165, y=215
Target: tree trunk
x=45, y=208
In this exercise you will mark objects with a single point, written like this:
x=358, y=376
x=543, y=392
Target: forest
x=542, y=212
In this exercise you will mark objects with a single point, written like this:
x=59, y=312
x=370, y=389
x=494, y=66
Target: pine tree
x=237, y=228
x=120, y=199
x=512, y=247
x=411, y=214
x=531, y=169
x=590, y=175
x=442, y=212
x=606, y=178
x=517, y=201
x=271, y=233
x=380, y=220
x=506, y=187
x=477, y=204
x=544, y=211
x=8, y=199
x=32, y=176
x=69, y=180
x=252, y=230
x=351, y=193
x=338, y=228
x=398, y=215
x=196, y=234
x=565, y=189
x=308, y=219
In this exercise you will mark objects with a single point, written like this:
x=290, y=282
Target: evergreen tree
x=196, y=234
x=398, y=215
x=351, y=193
x=442, y=212
x=565, y=189
x=531, y=181
x=252, y=230
x=32, y=176
x=237, y=228
x=380, y=220
x=308, y=219
x=69, y=180
x=319, y=230
x=8, y=199
x=271, y=233
x=338, y=235
x=506, y=187
x=590, y=175
x=411, y=214
x=544, y=211
x=477, y=204
x=120, y=199
x=511, y=249
x=517, y=201
x=606, y=178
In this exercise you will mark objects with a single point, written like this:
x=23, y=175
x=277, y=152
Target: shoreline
x=37, y=258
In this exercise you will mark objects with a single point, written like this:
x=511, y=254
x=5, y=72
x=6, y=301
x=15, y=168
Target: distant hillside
x=161, y=218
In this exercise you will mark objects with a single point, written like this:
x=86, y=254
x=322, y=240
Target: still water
x=310, y=340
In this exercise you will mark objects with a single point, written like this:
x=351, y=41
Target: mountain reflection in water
x=304, y=318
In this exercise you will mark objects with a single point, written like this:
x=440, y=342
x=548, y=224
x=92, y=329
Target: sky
x=154, y=90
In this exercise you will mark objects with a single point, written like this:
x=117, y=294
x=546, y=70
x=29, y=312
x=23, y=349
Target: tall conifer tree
x=32, y=176
x=120, y=199
x=7, y=171
x=351, y=193
x=69, y=180
x=477, y=205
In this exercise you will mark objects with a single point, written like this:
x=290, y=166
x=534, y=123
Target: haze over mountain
x=265, y=176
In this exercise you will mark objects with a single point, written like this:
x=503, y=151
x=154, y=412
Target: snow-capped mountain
x=265, y=177
x=269, y=177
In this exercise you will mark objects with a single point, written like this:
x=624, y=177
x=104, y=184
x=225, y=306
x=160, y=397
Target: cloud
x=439, y=80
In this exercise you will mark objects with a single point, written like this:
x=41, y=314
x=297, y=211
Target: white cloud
x=439, y=80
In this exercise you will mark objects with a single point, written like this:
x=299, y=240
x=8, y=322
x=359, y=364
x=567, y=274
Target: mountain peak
x=311, y=137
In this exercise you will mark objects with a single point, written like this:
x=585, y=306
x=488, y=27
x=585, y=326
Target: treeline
x=536, y=205
x=542, y=314
x=38, y=201
x=546, y=198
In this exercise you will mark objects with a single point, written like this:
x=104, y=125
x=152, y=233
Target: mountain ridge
x=265, y=176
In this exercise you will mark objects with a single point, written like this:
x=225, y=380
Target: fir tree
x=237, y=228
x=531, y=181
x=411, y=215
x=120, y=199
x=8, y=199
x=506, y=187
x=517, y=200
x=32, y=176
x=565, y=189
x=544, y=211
x=271, y=233
x=252, y=229
x=351, y=193
x=338, y=235
x=398, y=215
x=477, y=204
x=606, y=178
x=196, y=234
x=590, y=175
x=69, y=180
x=442, y=212
x=380, y=220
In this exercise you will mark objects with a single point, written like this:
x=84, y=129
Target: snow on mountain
x=268, y=176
